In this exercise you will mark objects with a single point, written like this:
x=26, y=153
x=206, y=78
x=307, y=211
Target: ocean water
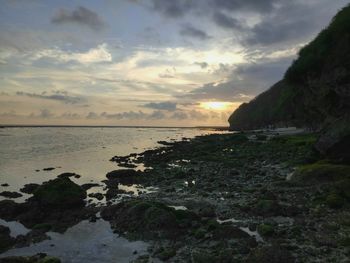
x=25, y=152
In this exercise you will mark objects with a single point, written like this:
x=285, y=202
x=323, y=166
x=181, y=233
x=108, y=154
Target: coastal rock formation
x=60, y=192
x=314, y=93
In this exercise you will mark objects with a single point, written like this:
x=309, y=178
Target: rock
x=5, y=185
x=60, y=192
x=98, y=196
x=63, y=175
x=88, y=186
x=38, y=258
x=49, y=169
x=335, y=141
x=9, y=209
x=267, y=208
x=201, y=208
x=320, y=172
x=124, y=176
x=9, y=194
x=335, y=201
x=165, y=254
x=224, y=232
x=266, y=230
x=6, y=241
x=270, y=254
x=29, y=188
x=148, y=219
x=34, y=236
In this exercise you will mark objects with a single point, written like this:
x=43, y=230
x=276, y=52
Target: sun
x=215, y=105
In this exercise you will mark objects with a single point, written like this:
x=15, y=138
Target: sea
x=26, y=152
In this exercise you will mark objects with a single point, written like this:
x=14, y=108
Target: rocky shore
x=237, y=197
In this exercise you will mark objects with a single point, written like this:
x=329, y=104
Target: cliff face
x=315, y=90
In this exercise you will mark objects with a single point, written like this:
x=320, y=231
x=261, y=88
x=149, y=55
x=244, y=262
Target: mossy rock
x=149, y=219
x=321, y=173
x=44, y=227
x=6, y=241
x=39, y=258
x=267, y=207
x=165, y=253
x=60, y=192
x=266, y=230
x=345, y=242
x=270, y=254
x=334, y=200
x=202, y=256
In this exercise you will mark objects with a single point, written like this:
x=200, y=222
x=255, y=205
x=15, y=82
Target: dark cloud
x=225, y=21
x=203, y=65
x=179, y=8
x=190, y=31
x=70, y=115
x=261, y=6
x=92, y=115
x=132, y=115
x=274, y=31
x=198, y=115
x=179, y=115
x=245, y=81
x=292, y=22
x=45, y=114
x=168, y=106
x=173, y=8
x=61, y=96
x=81, y=15
x=156, y=115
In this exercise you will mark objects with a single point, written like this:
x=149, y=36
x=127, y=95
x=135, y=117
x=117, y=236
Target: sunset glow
x=216, y=105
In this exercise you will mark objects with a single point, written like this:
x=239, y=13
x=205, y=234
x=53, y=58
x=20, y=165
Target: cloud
x=131, y=115
x=180, y=8
x=180, y=115
x=92, y=115
x=45, y=114
x=168, y=106
x=190, y=31
x=244, y=82
x=61, y=96
x=173, y=8
x=94, y=55
x=248, y=5
x=70, y=115
x=203, y=65
x=198, y=115
x=81, y=16
x=225, y=21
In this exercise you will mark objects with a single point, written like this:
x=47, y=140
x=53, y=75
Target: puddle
x=137, y=189
x=281, y=220
x=254, y=234
x=15, y=227
x=178, y=207
x=230, y=220
x=85, y=242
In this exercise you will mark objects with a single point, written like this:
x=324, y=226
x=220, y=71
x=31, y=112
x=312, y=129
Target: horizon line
x=106, y=126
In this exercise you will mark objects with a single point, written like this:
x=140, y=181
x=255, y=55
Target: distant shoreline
x=112, y=126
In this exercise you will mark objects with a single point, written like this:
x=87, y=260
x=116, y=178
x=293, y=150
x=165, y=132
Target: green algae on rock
x=60, y=192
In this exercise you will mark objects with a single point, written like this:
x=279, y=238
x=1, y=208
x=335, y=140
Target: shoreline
x=225, y=197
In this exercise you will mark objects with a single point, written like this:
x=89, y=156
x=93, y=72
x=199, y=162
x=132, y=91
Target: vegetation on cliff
x=315, y=90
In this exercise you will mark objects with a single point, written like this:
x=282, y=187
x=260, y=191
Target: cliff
x=315, y=91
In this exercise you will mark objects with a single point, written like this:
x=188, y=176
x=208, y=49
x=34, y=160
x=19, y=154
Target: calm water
x=85, y=151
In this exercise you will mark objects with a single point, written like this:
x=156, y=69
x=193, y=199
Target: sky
x=146, y=62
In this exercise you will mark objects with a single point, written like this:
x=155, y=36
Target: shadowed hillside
x=315, y=91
